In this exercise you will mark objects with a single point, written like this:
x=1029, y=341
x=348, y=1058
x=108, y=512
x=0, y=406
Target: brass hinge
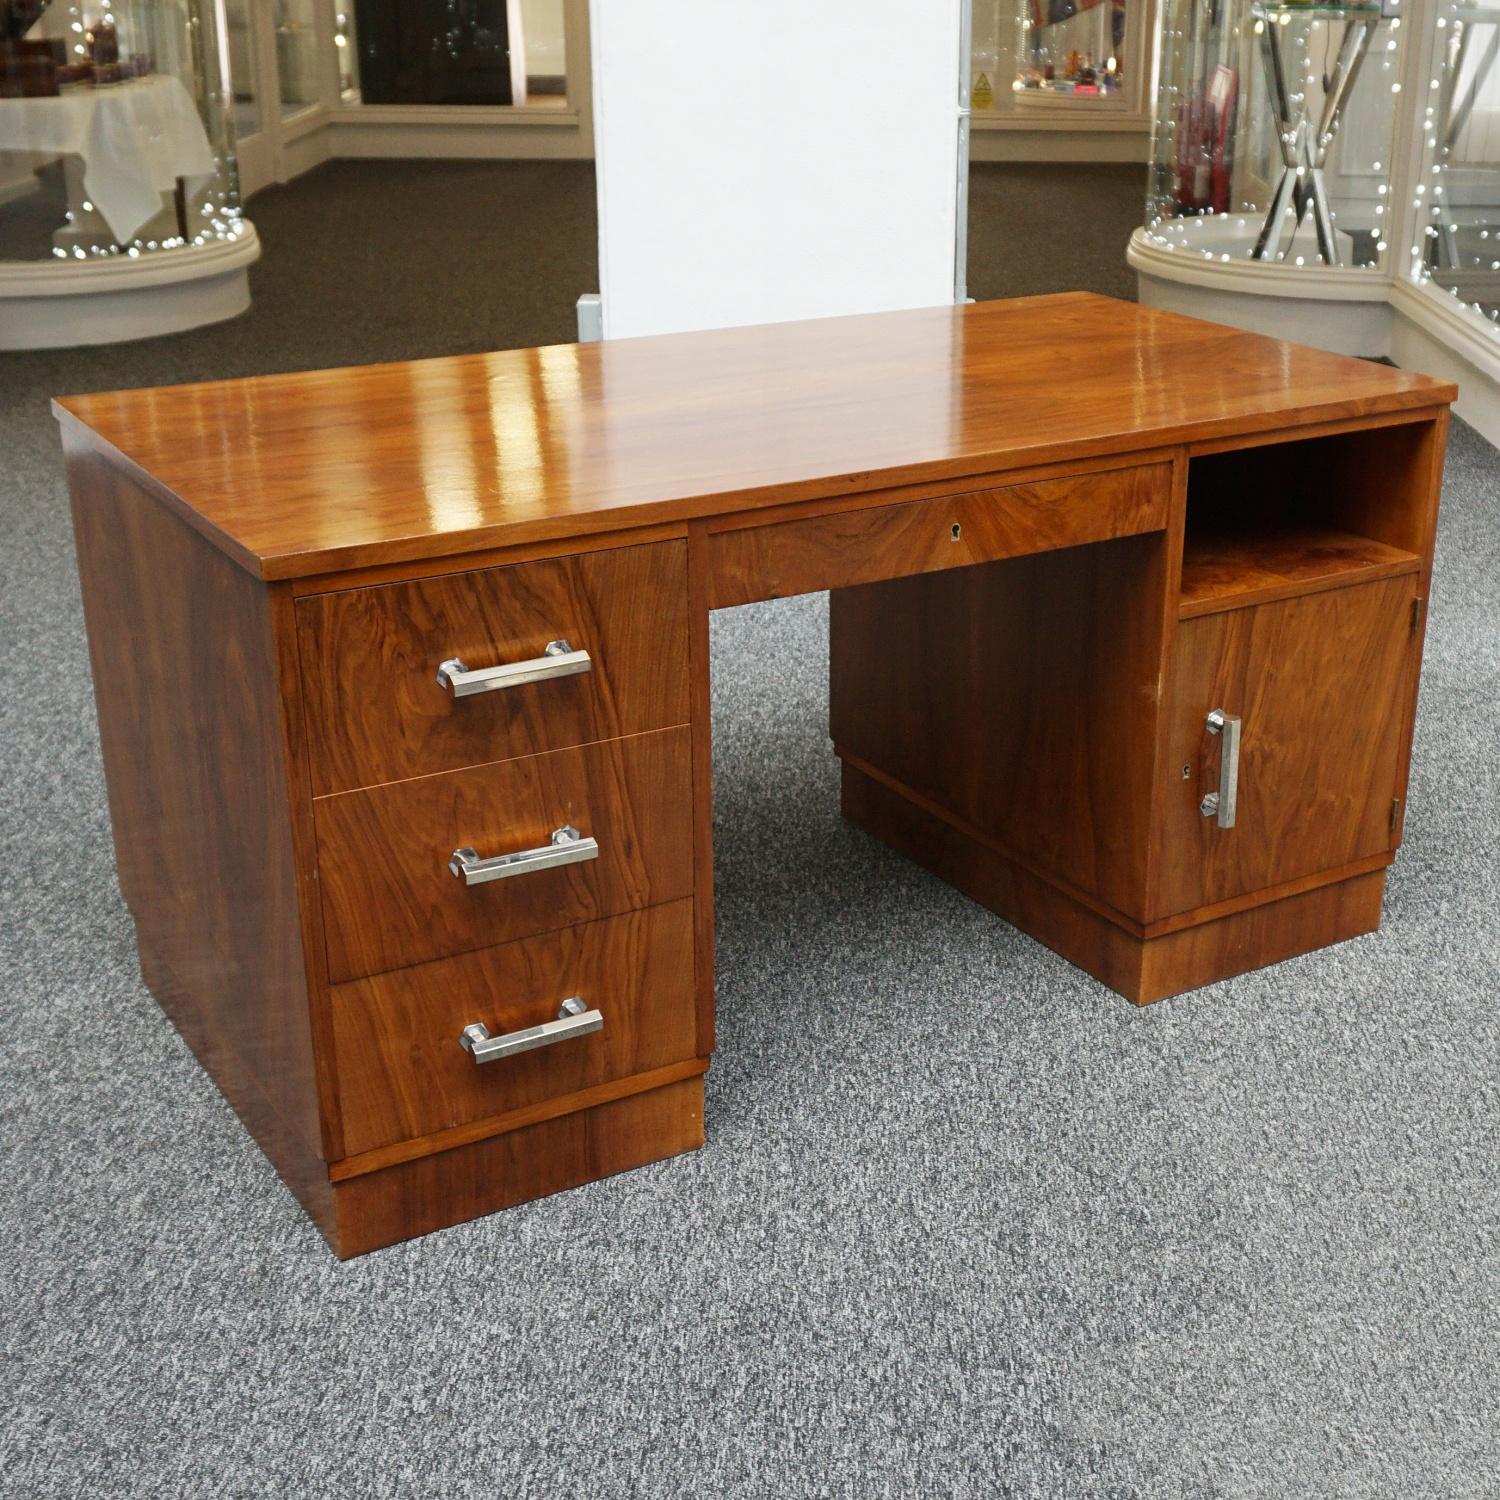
x=1395, y=812
x=1416, y=613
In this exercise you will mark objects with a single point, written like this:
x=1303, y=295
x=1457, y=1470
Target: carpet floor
x=966, y=1225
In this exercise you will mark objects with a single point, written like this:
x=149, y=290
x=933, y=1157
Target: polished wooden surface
x=1374, y=480
x=308, y=473
x=193, y=740
x=1320, y=684
x=389, y=898
x=1301, y=566
x=403, y=1074
x=927, y=536
x=376, y=712
x=703, y=781
x=549, y=1107
x=1257, y=936
x=1421, y=473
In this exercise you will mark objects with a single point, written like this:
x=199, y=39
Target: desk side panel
x=192, y=735
x=1423, y=482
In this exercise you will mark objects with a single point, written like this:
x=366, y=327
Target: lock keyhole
x=955, y=531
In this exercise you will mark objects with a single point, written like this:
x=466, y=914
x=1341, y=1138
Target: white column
x=767, y=160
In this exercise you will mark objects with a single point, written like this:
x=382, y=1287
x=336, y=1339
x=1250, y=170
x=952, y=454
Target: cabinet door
x=1322, y=688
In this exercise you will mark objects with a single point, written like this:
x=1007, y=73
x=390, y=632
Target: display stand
x=1304, y=151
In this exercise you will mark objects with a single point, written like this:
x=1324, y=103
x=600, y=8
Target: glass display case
x=297, y=54
x=454, y=52
x=1071, y=49
x=1069, y=54
x=1275, y=131
x=1456, y=197
x=346, y=50
x=243, y=71
x=116, y=131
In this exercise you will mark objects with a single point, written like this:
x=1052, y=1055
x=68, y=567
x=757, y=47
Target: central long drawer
x=390, y=893
x=928, y=536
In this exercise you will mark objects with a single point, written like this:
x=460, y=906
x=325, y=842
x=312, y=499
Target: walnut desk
x=402, y=682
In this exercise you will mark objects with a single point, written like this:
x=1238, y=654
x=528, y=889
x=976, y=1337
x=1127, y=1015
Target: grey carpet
x=966, y=1225
x=1036, y=228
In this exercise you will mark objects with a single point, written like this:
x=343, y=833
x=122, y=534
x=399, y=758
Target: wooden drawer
x=390, y=899
x=925, y=536
x=403, y=1074
x=376, y=711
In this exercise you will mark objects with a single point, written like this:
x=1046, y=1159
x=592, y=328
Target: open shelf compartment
x=1286, y=519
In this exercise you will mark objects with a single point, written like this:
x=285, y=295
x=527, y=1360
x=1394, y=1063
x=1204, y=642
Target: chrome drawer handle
x=574, y=1018
x=1220, y=805
x=560, y=660
x=568, y=847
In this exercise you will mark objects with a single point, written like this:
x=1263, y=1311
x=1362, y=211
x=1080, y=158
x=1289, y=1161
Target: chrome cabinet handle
x=568, y=847
x=574, y=1018
x=560, y=660
x=1220, y=805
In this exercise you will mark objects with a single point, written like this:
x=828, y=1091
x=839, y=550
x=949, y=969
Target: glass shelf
x=1320, y=11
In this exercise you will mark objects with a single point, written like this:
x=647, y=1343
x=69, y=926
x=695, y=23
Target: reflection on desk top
x=311, y=473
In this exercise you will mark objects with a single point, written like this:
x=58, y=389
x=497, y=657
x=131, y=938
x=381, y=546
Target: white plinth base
x=1339, y=308
x=60, y=305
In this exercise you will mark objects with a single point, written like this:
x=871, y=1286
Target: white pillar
x=768, y=160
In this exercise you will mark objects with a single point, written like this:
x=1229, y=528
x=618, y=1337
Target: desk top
x=310, y=473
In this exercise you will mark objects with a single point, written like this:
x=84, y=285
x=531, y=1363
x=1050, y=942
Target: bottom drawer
x=403, y=1072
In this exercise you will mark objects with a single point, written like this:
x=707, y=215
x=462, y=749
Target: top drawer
x=376, y=711
x=925, y=536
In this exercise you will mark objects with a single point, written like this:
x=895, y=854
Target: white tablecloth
x=136, y=139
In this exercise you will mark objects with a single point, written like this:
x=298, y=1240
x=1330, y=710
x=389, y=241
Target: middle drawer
x=386, y=864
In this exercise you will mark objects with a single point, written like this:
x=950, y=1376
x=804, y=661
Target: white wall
x=765, y=160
